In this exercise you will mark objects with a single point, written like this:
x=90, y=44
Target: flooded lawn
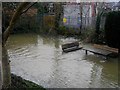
x=40, y=59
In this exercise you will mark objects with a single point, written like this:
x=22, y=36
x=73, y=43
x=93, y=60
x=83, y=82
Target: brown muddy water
x=40, y=59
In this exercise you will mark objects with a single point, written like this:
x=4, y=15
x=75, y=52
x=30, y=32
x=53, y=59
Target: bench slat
x=98, y=51
x=71, y=49
x=70, y=45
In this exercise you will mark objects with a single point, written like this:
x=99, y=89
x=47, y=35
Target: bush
x=112, y=29
x=88, y=36
x=26, y=24
x=68, y=31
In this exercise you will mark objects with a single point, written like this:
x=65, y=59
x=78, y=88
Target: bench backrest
x=69, y=45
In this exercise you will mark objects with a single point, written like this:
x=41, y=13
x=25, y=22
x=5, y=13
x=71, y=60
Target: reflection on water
x=40, y=59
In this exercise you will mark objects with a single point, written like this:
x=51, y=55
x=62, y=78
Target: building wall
x=72, y=14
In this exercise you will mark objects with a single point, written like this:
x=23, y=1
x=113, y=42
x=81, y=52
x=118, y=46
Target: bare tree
x=6, y=76
x=58, y=12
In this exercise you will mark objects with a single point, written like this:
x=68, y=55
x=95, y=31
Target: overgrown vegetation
x=28, y=22
x=18, y=83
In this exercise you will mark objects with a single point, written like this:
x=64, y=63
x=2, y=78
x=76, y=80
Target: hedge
x=112, y=29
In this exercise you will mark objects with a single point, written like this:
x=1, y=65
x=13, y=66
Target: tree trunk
x=6, y=75
x=81, y=13
x=0, y=65
x=5, y=68
x=118, y=65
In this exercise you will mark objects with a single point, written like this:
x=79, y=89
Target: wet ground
x=41, y=60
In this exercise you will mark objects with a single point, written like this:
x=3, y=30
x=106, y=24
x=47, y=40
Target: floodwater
x=40, y=59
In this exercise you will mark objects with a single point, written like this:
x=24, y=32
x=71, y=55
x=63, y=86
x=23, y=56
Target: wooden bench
x=71, y=47
x=105, y=47
x=98, y=52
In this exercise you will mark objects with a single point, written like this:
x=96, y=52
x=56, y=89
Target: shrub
x=68, y=31
x=88, y=35
x=112, y=29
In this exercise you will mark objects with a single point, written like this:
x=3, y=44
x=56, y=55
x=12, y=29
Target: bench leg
x=86, y=52
x=106, y=57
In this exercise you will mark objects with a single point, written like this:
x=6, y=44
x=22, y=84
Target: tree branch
x=15, y=17
x=28, y=8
